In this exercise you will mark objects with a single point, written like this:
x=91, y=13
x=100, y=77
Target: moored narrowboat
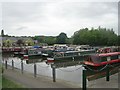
x=33, y=53
x=102, y=59
x=70, y=56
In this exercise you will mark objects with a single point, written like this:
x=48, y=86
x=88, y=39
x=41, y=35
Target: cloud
x=21, y=28
x=0, y=16
x=51, y=18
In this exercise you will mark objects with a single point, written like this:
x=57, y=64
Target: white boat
x=84, y=48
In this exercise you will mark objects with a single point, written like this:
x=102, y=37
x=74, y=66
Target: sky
x=53, y=17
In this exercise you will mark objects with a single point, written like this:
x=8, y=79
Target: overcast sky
x=51, y=18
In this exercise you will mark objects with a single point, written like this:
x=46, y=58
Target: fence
x=34, y=69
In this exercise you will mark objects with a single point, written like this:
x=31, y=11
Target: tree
x=7, y=43
x=50, y=40
x=29, y=42
x=118, y=40
x=20, y=42
x=40, y=39
x=95, y=37
x=61, y=38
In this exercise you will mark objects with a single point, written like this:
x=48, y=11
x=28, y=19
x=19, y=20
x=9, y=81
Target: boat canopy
x=36, y=46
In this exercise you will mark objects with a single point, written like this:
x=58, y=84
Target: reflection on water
x=70, y=72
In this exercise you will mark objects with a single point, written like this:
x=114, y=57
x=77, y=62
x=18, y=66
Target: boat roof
x=71, y=51
x=109, y=54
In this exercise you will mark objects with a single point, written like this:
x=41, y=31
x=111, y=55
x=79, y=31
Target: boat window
x=114, y=57
x=89, y=59
x=76, y=53
x=36, y=53
x=103, y=59
x=68, y=54
x=58, y=54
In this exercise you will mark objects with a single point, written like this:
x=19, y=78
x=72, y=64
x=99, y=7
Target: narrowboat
x=84, y=48
x=69, y=56
x=34, y=52
x=21, y=53
x=108, y=49
x=47, y=53
x=102, y=59
x=11, y=49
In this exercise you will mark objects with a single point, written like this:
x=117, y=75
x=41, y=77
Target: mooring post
x=108, y=73
x=35, y=70
x=54, y=73
x=12, y=65
x=108, y=70
x=119, y=78
x=5, y=64
x=84, y=82
x=22, y=66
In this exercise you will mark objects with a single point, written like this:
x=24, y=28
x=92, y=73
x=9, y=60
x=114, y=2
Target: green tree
x=20, y=42
x=7, y=43
x=50, y=40
x=40, y=39
x=118, y=40
x=95, y=37
x=61, y=38
x=29, y=42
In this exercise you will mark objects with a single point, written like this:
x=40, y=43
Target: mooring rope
x=70, y=70
x=97, y=70
x=43, y=66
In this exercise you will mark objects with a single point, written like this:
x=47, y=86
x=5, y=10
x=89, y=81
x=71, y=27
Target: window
x=114, y=57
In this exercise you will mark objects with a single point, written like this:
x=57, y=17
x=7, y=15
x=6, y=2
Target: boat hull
x=69, y=58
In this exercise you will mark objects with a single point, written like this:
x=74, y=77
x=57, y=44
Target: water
x=71, y=74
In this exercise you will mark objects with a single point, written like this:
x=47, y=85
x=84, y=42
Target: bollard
x=12, y=65
x=5, y=64
x=54, y=73
x=35, y=70
x=84, y=80
x=108, y=70
x=21, y=66
x=107, y=74
x=119, y=78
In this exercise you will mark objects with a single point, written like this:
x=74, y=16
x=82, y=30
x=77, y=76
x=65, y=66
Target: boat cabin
x=66, y=54
x=103, y=59
x=34, y=51
x=84, y=48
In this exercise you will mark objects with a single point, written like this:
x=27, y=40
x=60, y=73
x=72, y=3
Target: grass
x=6, y=83
x=0, y=76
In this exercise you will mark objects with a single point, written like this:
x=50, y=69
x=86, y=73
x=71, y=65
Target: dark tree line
x=50, y=40
x=95, y=37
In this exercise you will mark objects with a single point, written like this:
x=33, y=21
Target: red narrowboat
x=103, y=59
